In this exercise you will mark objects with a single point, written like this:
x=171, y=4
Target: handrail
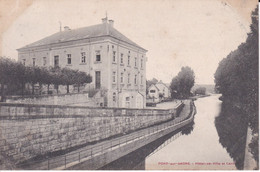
x=99, y=148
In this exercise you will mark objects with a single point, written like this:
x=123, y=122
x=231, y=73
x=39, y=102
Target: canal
x=211, y=142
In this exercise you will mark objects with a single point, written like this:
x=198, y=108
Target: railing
x=83, y=154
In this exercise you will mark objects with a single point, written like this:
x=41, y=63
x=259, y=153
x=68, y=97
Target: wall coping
x=41, y=96
x=82, y=107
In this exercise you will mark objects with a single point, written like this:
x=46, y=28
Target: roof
x=154, y=86
x=166, y=85
x=104, y=29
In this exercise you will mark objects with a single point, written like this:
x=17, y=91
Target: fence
x=89, y=152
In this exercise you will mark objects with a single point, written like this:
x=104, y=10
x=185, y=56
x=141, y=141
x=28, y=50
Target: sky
x=176, y=33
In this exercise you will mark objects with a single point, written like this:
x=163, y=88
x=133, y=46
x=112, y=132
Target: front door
x=98, y=80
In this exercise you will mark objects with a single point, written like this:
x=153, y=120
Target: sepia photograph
x=129, y=85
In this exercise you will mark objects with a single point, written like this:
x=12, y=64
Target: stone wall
x=61, y=99
x=28, y=130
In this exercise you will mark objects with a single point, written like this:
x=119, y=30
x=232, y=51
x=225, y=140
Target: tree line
x=237, y=79
x=14, y=76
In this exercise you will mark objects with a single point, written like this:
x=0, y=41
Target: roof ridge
x=103, y=29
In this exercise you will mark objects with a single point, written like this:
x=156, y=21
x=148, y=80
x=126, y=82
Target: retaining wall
x=61, y=99
x=28, y=130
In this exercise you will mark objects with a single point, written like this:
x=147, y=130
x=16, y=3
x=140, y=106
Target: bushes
x=14, y=76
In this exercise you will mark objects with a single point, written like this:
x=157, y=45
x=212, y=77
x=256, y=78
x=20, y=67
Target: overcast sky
x=176, y=33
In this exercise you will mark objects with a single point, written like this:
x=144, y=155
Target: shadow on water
x=136, y=160
x=231, y=126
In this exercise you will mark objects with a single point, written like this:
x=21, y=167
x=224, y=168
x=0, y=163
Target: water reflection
x=188, y=129
x=231, y=126
x=136, y=159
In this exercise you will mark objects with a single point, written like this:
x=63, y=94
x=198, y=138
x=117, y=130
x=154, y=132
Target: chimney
x=104, y=20
x=111, y=22
x=66, y=28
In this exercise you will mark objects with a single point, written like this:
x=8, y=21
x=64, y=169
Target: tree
x=182, y=83
x=237, y=77
x=82, y=78
x=68, y=77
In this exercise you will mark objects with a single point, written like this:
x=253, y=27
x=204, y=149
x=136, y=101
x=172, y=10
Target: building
x=117, y=64
x=158, y=92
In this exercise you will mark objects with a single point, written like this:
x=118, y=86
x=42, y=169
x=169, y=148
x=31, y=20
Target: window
x=152, y=91
x=114, y=77
x=24, y=60
x=141, y=79
x=114, y=56
x=98, y=56
x=56, y=61
x=128, y=78
x=33, y=61
x=68, y=58
x=44, y=61
x=83, y=57
x=114, y=97
x=128, y=60
x=135, y=79
x=122, y=77
x=141, y=63
x=98, y=79
x=122, y=58
x=135, y=62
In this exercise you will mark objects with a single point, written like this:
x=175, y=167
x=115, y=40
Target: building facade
x=158, y=92
x=117, y=64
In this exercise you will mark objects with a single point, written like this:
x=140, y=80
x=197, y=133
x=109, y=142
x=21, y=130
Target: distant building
x=116, y=64
x=159, y=92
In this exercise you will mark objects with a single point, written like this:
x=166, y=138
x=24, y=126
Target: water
x=214, y=141
x=200, y=149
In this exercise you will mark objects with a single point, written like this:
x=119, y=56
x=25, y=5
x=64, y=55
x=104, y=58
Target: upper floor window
x=142, y=79
x=33, y=61
x=56, y=61
x=135, y=62
x=24, y=61
x=135, y=79
x=122, y=58
x=83, y=57
x=114, y=56
x=114, y=76
x=44, y=61
x=141, y=63
x=114, y=96
x=98, y=56
x=128, y=60
x=68, y=58
x=122, y=77
x=128, y=78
